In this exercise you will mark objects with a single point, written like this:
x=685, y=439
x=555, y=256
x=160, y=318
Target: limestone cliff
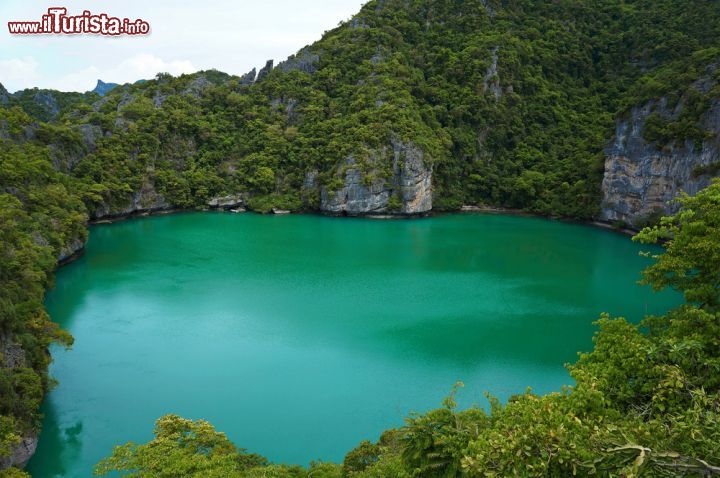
x=145, y=200
x=265, y=70
x=642, y=177
x=365, y=190
x=22, y=452
x=230, y=201
x=71, y=250
x=248, y=78
x=12, y=356
x=4, y=95
x=304, y=60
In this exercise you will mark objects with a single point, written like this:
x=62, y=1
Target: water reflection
x=64, y=439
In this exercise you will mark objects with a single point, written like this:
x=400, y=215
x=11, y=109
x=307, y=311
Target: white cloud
x=143, y=66
x=231, y=35
x=16, y=72
x=139, y=67
x=82, y=80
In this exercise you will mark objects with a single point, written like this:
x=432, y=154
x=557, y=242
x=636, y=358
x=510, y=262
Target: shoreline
x=112, y=219
x=606, y=225
x=469, y=210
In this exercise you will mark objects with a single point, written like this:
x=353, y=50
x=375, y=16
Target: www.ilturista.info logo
x=57, y=21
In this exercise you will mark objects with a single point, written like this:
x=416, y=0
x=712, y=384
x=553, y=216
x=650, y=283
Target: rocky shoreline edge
x=76, y=249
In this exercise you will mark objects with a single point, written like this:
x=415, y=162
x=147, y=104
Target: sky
x=233, y=36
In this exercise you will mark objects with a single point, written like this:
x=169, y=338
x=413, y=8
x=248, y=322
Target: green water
x=300, y=336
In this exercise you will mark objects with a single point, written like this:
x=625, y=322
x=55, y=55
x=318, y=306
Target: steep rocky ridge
x=265, y=70
x=304, y=60
x=643, y=177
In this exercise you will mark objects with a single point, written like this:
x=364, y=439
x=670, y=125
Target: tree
x=360, y=458
x=434, y=444
x=181, y=447
x=194, y=449
x=691, y=260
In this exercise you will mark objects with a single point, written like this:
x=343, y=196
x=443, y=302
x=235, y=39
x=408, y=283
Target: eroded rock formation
x=12, y=355
x=145, y=200
x=366, y=190
x=642, y=178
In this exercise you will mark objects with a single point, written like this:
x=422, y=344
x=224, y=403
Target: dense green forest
x=511, y=102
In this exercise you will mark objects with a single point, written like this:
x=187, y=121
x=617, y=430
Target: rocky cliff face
x=4, y=95
x=492, y=81
x=230, y=201
x=304, y=60
x=248, y=78
x=71, y=250
x=12, y=355
x=408, y=190
x=145, y=200
x=641, y=177
x=22, y=452
x=265, y=70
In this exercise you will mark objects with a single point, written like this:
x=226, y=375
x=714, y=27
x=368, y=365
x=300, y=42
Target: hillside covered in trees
x=408, y=106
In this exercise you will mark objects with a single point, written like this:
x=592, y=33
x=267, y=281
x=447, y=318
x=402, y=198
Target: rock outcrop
x=365, y=190
x=46, y=100
x=248, y=78
x=71, y=250
x=489, y=8
x=12, y=355
x=265, y=70
x=65, y=159
x=304, y=60
x=197, y=87
x=289, y=105
x=145, y=200
x=4, y=95
x=357, y=22
x=641, y=177
x=231, y=201
x=21, y=454
x=103, y=88
x=491, y=82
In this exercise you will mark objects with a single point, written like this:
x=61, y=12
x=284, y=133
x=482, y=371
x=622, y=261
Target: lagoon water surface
x=300, y=336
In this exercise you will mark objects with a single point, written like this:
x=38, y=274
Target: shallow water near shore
x=300, y=336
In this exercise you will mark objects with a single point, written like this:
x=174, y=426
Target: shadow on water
x=59, y=445
x=68, y=295
x=465, y=341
